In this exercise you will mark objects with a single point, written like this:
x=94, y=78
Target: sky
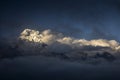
x=89, y=19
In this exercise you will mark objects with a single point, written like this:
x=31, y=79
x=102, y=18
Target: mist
x=52, y=68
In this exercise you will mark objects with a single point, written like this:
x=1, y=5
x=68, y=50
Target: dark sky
x=76, y=18
x=89, y=19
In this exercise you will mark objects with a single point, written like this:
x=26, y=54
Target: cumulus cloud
x=50, y=43
x=49, y=37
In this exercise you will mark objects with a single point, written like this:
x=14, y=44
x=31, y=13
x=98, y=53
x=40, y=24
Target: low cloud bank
x=53, y=44
x=50, y=43
x=59, y=57
x=39, y=67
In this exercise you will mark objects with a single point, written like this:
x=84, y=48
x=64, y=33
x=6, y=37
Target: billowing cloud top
x=55, y=44
x=49, y=37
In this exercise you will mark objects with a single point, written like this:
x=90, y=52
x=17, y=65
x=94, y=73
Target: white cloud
x=49, y=43
x=49, y=37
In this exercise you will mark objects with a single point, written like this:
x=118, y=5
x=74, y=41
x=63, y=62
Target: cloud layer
x=48, y=37
x=50, y=43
